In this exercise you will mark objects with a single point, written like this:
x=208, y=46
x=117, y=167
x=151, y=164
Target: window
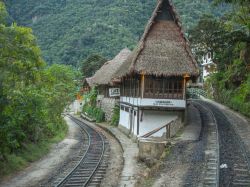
x=127, y=109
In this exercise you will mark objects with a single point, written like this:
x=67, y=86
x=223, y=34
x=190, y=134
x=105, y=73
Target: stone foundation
x=107, y=105
x=150, y=149
x=176, y=126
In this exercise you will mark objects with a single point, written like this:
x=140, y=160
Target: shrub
x=116, y=116
x=94, y=112
x=99, y=115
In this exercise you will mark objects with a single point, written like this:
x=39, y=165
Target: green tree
x=240, y=15
x=92, y=64
x=212, y=35
x=3, y=13
x=59, y=87
x=20, y=63
x=69, y=31
x=230, y=85
x=32, y=95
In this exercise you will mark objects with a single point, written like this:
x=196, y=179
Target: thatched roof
x=89, y=81
x=163, y=49
x=105, y=74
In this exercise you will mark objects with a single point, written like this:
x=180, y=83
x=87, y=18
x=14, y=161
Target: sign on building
x=114, y=92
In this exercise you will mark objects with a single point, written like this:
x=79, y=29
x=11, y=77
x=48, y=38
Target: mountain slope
x=70, y=30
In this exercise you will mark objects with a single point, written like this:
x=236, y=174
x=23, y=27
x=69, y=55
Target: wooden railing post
x=166, y=132
x=169, y=134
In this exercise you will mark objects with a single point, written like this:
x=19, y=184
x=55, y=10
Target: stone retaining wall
x=107, y=105
x=176, y=126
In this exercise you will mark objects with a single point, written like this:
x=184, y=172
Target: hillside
x=69, y=31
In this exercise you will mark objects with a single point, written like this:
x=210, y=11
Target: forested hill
x=70, y=30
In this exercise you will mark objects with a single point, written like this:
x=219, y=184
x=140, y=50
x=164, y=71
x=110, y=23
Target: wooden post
x=169, y=134
x=166, y=132
x=163, y=88
x=138, y=121
x=186, y=76
x=184, y=87
x=142, y=85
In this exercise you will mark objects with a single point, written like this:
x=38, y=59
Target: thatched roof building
x=89, y=81
x=163, y=49
x=105, y=74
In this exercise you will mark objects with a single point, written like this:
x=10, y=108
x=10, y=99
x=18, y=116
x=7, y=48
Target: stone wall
x=150, y=149
x=107, y=105
x=176, y=126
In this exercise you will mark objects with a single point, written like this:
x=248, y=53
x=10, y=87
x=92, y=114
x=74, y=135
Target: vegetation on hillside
x=70, y=31
x=32, y=95
x=229, y=42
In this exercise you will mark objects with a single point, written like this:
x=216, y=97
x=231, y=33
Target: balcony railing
x=170, y=94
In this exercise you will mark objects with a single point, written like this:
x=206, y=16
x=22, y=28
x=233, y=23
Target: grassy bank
x=222, y=90
x=30, y=153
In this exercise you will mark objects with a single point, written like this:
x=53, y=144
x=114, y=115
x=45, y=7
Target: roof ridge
x=177, y=21
x=163, y=48
x=183, y=33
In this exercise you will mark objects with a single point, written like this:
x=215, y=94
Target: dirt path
x=185, y=161
x=41, y=170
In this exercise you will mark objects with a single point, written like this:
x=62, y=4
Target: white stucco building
x=208, y=66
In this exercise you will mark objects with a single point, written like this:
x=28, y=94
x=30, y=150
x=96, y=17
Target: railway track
x=210, y=146
x=232, y=154
x=92, y=166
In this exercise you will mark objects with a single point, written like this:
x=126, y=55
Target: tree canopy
x=70, y=31
x=32, y=95
x=229, y=40
x=92, y=64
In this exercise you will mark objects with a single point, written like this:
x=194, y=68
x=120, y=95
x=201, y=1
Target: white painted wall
x=124, y=119
x=77, y=106
x=134, y=131
x=154, y=119
x=150, y=120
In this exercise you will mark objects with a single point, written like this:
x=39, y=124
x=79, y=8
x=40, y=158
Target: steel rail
x=233, y=152
x=84, y=159
x=215, y=149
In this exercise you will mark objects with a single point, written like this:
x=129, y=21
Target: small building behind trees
x=208, y=66
x=153, y=78
x=87, y=85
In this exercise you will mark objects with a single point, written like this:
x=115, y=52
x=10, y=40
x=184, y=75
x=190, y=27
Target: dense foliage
x=116, y=116
x=92, y=64
x=229, y=42
x=90, y=108
x=32, y=95
x=69, y=31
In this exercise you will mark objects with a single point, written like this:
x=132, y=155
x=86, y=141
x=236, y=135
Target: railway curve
x=234, y=164
x=92, y=166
